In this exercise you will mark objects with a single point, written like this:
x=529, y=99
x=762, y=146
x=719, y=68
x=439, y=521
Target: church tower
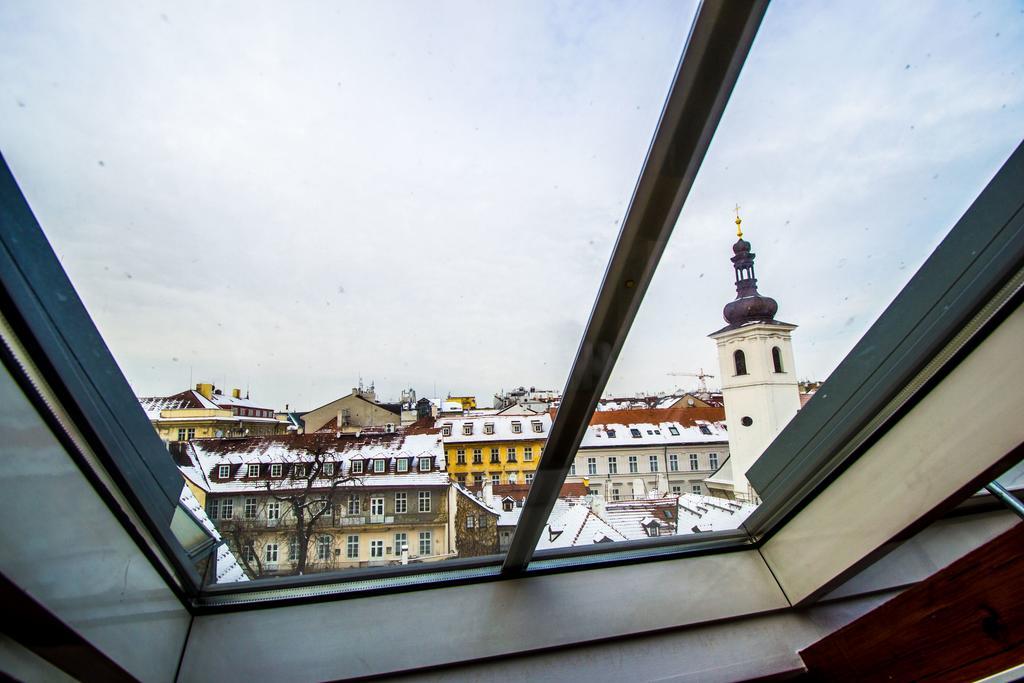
x=755, y=360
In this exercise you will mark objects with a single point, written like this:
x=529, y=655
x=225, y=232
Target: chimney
x=236, y=393
x=488, y=493
x=639, y=490
x=206, y=389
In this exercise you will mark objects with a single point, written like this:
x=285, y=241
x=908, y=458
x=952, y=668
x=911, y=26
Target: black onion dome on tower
x=749, y=306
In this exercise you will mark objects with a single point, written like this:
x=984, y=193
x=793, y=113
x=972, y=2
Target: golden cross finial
x=739, y=230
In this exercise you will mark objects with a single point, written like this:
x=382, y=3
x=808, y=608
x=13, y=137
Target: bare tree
x=308, y=492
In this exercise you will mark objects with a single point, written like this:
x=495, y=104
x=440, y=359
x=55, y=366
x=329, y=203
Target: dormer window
x=467, y=428
x=357, y=467
x=488, y=428
x=517, y=427
x=380, y=465
x=538, y=426
x=402, y=465
x=300, y=471
x=636, y=433
x=254, y=471
x=328, y=469
x=223, y=471
x=446, y=429
x=275, y=470
x=425, y=464
x=611, y=433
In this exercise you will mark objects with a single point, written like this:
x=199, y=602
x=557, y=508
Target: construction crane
x=701, y=376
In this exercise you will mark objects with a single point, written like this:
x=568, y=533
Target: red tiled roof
x=688, y=417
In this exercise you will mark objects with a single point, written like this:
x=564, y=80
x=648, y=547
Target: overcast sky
x=288, y=196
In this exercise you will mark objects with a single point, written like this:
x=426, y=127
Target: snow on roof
x=226, y=401
x=228, y=568
x=572, y=523
x=207, y=455
x=632, y=518
x=185, y=400
x=629, y=433
x=502, y=427
x=706, y=513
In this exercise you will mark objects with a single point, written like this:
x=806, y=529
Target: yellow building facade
x=206, y=413
x=503, y=449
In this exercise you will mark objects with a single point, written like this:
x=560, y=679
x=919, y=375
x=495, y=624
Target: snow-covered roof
x=502, y=427
x=228, y=568
x=573, y=523
x=653, y=434
x=185, y=400
x=226, y=401
x=706, y=513
x=632, y=518
x=207, y=455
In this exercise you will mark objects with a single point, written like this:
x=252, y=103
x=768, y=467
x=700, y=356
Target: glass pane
x=310, y=234
x=855, y=139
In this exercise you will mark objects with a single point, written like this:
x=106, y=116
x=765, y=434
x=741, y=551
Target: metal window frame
x=970, y=268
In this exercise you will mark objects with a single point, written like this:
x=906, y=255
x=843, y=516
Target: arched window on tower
x=777, y=359
x=741, y=362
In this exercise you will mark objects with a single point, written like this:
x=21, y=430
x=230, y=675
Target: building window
x=591, y=465
x=654, y=463
x=704, y=429
x=595, y=491
x=478, y=456
x=488, y=428
x=777, y=359
x=253, y=471
x=673, y=462
x=212, y=507
x=696, y=489
x=460, y=456
x=510, y=454
x=467, y=428
x=248, y=553
x=377, y=505
x=270, y=553
x=181, y=434
x=401, y=502
x=740, y=360
x=401, y=541
x=470, y=521
x=328, y=469
x=426, y=544
x=380, y=465
x=633, y=464
x=353, y=504
x=538, y=426
x=517, y=427
x=299, y=471
x=424, y=498
x=611, y=433
x=713, y=460
x=326, y=509
x=478, y=480
x=527, y=453
x=376, y=549
x=635, y=433
x=513, y=478
x=274, y=510
x=482, y=522
x=250, y=508
x=615, y=494
x=357, y=467
x=227, y=508
x=446, y=429
x=694, y=463
x=613, y=465
x=673, y=431
x=461, y=478
x=572, y=468
x=402, y=464
x=293, y=548
x=425, y=463
x=223, y=471
x=275, y=470
x=352, y=547
x=677, y=490
x=496, y=478
x=323, y=548
x=529, y=477
x=495, y=456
